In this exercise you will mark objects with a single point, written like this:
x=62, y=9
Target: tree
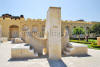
x=96, y=29
x=87, y=33
x=78, y=31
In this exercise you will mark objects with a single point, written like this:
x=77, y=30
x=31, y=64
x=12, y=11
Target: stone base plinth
x=4, y=39
x=17, y=40
x=98, y=40
x=79, y=50
x=76, y=50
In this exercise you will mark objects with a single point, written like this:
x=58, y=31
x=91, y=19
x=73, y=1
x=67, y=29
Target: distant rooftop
x=12, y=17
x=80, y=20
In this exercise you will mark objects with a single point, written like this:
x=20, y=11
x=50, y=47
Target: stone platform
x=76, y=50
x=4, y=39
x=17, y=40
x=79, y=49
x=22, y=51
x=93, y=60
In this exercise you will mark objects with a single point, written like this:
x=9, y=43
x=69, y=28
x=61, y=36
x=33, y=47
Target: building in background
x=15, y=26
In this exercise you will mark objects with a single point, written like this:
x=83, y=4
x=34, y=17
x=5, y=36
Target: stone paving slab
x=92, y=60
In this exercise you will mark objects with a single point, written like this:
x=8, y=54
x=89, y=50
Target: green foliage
x=95, y=29
x=78, y=31
x=88, y=31
x=91, y=43
x=94, y=45
x=80, y=41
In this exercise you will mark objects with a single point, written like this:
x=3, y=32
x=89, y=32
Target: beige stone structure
x=17, y=40
x=23, y=51
x=75, y=50
x=4, y=39
x=53, y=32
x=36, y=42
x=54, y=41
x=98, y=40
x=15, y=26
x=0, y=33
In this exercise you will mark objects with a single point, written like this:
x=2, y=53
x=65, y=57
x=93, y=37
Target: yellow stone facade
x=16, y=26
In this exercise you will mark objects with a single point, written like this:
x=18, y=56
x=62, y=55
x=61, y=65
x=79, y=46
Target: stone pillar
x=53, y=32
x=98, y=40
x=0, y=33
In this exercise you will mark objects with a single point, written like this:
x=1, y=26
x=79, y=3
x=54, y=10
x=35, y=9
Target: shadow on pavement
x=15, y=59
x=56, y=63
x=77, y=56
x=26, y=59
x=41, y=57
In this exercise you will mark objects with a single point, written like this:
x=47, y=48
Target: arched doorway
x=14, y=31
x=67, y=29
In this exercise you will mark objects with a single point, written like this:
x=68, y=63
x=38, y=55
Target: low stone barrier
x=98, y=40
x=17, y=40
x=4, y=39
x=76, y=50
x=79, y=50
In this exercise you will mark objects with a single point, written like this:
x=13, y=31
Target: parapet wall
x=29, y=19
x=37, y=43
x=9, y=19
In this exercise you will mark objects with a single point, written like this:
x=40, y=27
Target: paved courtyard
x=93, y=60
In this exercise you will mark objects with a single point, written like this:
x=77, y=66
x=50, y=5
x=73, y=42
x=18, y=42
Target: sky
x=88, y=10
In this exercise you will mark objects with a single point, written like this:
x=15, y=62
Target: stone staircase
x=23, y=51
x=67, y=49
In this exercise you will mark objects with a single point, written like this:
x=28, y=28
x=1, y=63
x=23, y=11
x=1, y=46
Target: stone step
x=35, y=54
x=17, y=40
x=68, y=45
x=68, y=49
x=66, y=53
x=31, y=50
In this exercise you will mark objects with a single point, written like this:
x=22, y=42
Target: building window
x=25, y=28
x=67, y=29
x=34, y=29
x=43, y=28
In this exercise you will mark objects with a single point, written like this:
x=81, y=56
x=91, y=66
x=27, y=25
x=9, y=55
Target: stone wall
x=40, y=24
x=36, y=42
